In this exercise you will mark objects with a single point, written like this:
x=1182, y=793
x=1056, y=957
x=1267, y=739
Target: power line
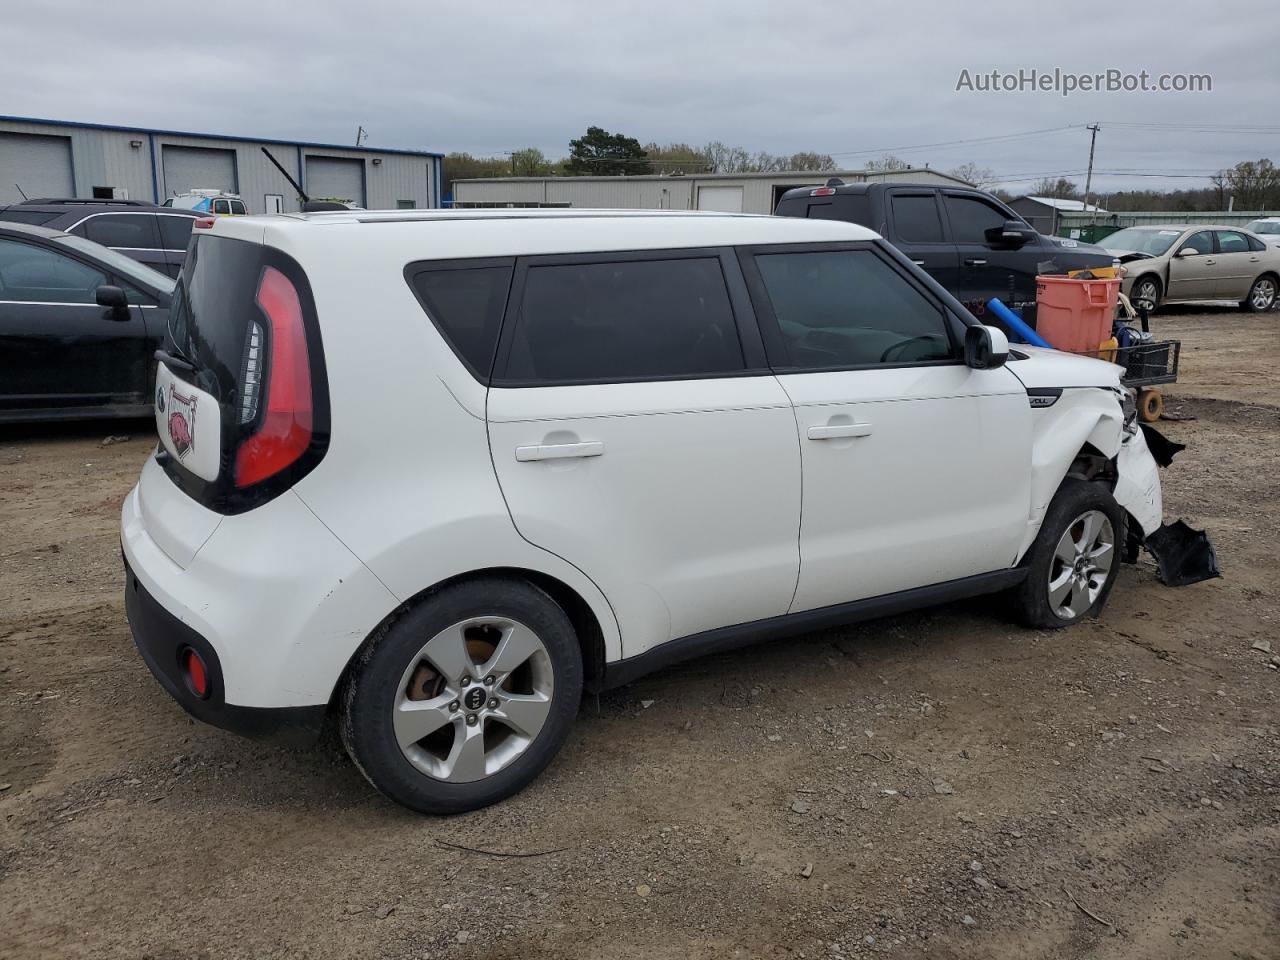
x=953, y=143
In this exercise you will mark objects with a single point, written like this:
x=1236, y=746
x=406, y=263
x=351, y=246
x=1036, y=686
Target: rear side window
x=971, y=218
x=916, y=218
x=175, y=232
x=849, y=308
x=466, y=304
x=648, y=319
x=136, y=231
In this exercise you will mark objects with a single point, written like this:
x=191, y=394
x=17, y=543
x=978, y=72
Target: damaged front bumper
x=1183, y=555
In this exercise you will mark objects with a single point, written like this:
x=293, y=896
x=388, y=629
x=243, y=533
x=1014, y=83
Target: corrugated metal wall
x=108, y=158
x=655, y=193
x=35, y=165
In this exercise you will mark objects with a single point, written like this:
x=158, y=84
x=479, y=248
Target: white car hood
x=1054, y=368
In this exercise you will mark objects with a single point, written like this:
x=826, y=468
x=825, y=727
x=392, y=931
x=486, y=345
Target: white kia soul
x=438, y=473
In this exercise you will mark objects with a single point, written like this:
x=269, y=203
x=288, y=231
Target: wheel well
x=1267, y=273
x=585, y=625
x=1091, y=464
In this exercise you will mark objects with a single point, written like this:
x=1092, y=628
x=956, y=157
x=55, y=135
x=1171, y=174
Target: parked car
x=209, y=201
x=1267, y=227
x=1180, y=263
x=79, y=324
x=967, y=240
x=149, y=234
x=565, y=448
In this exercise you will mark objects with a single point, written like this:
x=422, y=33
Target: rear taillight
x=204, y=223
x=286, y=427
x=823, y=192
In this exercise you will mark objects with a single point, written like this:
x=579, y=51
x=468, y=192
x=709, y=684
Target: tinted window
x=642, y=319
x=1200, y=242
x=971, y=218
x=466, y=305
x=221, y=206
x=237, y=207
x=916, y=217
x=846, y=308
x=121, y=230
x=175, y=232
x=852, y=208
x=1231, y=242
x=1256, y=245
x=28, y=272
x=28, y=216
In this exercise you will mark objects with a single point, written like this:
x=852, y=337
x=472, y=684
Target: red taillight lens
x=822, y=192
x=197, y=673
x=204, y=223
x=285, y=433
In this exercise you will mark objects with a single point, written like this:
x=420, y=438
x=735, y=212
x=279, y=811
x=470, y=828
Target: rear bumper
x=162, y=638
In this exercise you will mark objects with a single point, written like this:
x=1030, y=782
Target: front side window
x=39, y=275
x=971, y=218
x=238, y=208
x=1198, y=243
x=131, y=230
x=625, y=320
x=849, y=308
x=916, y=217
x=466, y=304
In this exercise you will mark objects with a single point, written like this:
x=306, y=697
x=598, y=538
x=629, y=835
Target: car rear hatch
x=241, y=401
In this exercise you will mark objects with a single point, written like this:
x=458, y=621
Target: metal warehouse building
x=729, y=192
x=52, y=158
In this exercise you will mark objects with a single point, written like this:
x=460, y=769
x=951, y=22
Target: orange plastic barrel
x=1075, y=315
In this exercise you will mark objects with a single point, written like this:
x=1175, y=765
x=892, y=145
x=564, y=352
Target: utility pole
x=1088, y=180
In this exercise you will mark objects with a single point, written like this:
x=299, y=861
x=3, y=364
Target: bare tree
x=1059, y=189
x=980, y=177
x=1255, y=184
x=887, y=164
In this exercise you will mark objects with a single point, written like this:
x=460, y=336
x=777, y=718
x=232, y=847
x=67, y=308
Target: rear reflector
x=197, y=673
x=285, y=432
x=822, y=192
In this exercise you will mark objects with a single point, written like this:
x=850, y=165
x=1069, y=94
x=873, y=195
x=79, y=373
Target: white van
x=438, y=472
x=209, y=201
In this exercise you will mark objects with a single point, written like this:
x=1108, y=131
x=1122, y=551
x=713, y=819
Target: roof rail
x=100, y=201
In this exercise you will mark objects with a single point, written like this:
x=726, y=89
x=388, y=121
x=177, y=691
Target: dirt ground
x=940, y=783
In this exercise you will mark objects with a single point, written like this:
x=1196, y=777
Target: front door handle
x=1210, y=262
x=560, y=451
x=975, y=262
x=834, y=431
x=920, y=263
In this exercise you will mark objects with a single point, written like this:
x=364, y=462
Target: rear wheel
x=466, y=698
x=1148, y=289
x=1262, y=295
x=1074, y=561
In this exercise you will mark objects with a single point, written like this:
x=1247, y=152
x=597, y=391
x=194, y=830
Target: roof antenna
x=361, y=134
x=24, y=196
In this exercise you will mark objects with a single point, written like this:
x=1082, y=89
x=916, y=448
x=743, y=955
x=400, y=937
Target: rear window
x=849, y=207
x=466, y=304
x=646, y=319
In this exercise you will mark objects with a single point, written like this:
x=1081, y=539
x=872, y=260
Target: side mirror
x=1187, y=252
x=113, y=298
x=1012, y=233
x=985, y=348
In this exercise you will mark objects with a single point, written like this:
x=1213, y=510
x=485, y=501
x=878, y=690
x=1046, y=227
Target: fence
x=1093, y=227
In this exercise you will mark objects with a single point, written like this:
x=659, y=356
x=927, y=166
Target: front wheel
x=465, y=698
x=1262, y=295
x=1148, y=289
x=1074, y=561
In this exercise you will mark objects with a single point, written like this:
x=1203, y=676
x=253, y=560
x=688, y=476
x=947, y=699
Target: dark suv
x=156, y=236
x=967, y=240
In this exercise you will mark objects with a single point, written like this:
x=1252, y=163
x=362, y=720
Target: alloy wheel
x=1081, y=564
x=473, y=699
x=1264, y=294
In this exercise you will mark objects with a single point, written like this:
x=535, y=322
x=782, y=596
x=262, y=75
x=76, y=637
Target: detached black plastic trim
x=621, y=672
x=161, y=638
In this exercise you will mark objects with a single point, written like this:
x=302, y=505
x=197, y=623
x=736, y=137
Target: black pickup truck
x=967, y=240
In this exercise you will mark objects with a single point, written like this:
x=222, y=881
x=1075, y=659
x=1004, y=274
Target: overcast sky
x=496, y=75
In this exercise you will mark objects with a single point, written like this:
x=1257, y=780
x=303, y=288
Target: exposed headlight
x=1129, y=404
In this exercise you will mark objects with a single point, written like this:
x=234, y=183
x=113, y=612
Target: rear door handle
x=1254, y=259
x=560, y=451
x=975, y=262
x=918, y=263
x=834, y=431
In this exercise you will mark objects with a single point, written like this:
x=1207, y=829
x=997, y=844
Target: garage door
x=335, y=178
x=726, y=199
x=40, y=165
x=198, y=168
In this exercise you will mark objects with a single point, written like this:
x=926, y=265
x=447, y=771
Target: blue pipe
x=1016, y=325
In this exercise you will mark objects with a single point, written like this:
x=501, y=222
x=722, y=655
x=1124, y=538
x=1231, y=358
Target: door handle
x=920, y=263
x=834, y=431
x=1254, y=259
x=1210, y=262
x=975, y=262
x=560, y=451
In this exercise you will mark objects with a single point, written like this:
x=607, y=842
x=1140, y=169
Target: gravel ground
x=940, y=783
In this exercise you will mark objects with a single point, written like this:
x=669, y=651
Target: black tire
x=1262, y=295
x=1140, y=287
x=373, y=685
x=1030, y=599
